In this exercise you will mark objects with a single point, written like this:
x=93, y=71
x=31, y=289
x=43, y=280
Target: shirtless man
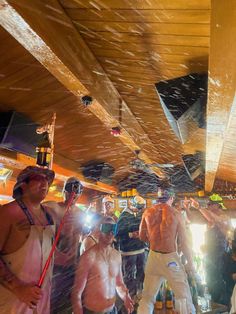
x=92, y=238
x=26, y=237
x=160, y=226
x=67, y=248
x=99, y=276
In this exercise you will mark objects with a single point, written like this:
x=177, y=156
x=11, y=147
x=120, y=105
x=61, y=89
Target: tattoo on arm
x=7, y=278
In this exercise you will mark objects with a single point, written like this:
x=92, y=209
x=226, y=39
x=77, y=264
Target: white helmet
x=138, y=200
x=107, y=199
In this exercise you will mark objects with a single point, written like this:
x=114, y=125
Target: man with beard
x=99, y=276
x=26, y=238
x=67, y=247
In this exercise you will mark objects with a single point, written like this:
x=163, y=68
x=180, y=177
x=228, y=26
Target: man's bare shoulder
x=115, y=253
x=9, y=209
x=10, y=214
x=179, y=219
x=53, y=207
x=150, y=210
x=89, y=255
x=92, y=252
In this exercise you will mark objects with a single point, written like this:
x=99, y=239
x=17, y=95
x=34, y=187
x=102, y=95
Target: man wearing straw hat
x=26, y=237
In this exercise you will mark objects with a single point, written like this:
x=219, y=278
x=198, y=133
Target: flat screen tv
x=18, y=133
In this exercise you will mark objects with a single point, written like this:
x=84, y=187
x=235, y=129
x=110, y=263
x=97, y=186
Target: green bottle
x=159, y=301
x=169, y=299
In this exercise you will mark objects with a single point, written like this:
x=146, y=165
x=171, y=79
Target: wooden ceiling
x=115, y=51
x=26, y=86
x=139, y=43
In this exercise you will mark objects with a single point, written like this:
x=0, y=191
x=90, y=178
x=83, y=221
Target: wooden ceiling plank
x=201, y=59
x=137, y=4
x=144, y=28
x=221, y=84
x=197, y=66
x=141, y=16
x=72, y=64
x=154, y=76
x=182, y=40
x=174, y=70
x=144, y=47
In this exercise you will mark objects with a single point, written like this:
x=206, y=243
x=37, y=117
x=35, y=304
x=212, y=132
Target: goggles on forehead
x=108, y=228
x=74, y=187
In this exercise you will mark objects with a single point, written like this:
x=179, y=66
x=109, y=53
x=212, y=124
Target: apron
x=27, y=264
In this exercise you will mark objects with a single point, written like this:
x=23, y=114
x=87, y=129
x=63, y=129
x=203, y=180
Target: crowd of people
x=119, y=261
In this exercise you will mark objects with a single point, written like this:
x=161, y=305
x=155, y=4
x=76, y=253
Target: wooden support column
x=221, y=107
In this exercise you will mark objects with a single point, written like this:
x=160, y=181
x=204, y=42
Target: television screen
x=18, y=133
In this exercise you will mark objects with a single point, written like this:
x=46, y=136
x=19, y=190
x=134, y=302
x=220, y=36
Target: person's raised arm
x=143, y=231
x=221, y=219
x=186, y=206
x=123, y=291
x=205, y=212
x=81, y=278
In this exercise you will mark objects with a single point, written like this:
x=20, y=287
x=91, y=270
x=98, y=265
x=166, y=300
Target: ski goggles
x=108, y=228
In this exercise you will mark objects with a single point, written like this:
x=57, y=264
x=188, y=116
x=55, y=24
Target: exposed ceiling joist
x=49, y=35
x=221, y=84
